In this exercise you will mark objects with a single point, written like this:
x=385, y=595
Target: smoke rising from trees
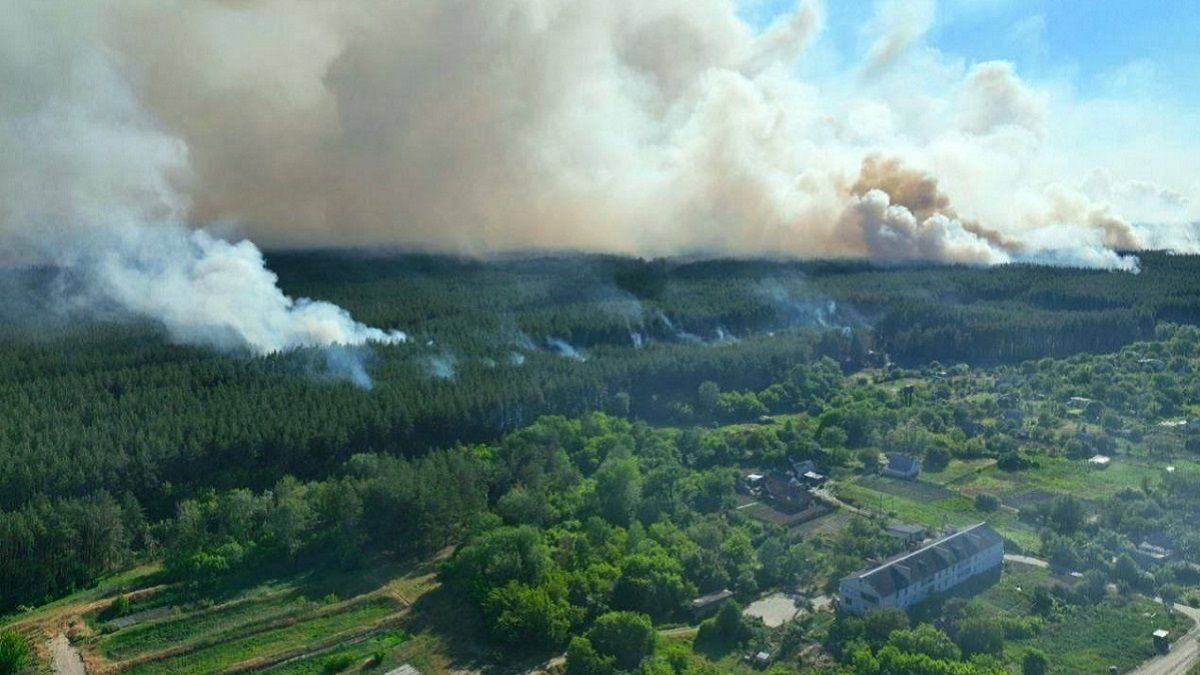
x=652, y=127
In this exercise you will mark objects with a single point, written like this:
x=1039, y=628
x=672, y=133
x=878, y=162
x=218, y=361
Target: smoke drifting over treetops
x=652, y=127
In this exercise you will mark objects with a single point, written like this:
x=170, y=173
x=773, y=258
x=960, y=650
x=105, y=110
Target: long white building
x=911, y=577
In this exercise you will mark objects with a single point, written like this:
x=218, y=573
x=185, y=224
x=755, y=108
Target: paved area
x=775, y=609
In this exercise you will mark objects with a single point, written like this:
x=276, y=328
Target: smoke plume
x=90, y=181
x=653, y=127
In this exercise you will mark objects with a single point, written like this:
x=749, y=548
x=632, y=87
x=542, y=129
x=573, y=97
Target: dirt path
x=827, y=496
x=1026, y=560
x=64, y=658
x=1185, y=652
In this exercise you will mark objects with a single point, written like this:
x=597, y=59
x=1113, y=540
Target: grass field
x=232, y=647
x=366, y=652
x=239, y=615
x=933, y=506
x=368, y=619
x=1059, y=475
x=1115, y=632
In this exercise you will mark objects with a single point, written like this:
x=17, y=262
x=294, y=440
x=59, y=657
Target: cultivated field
x=365, y=620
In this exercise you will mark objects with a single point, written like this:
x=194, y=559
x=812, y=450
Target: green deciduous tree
x=627, y=637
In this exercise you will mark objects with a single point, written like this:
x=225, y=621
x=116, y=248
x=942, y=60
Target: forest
x=574, y=429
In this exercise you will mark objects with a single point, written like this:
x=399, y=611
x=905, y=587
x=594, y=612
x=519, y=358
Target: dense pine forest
x=116, y=444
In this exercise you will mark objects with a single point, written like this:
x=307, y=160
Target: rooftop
x=705, y=600
x=906, y=528
x=907, y=569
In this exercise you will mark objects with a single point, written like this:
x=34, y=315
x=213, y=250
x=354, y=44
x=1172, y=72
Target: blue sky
x=1092, y=45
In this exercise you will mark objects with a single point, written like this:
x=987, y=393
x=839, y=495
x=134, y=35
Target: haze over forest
x=588, y=337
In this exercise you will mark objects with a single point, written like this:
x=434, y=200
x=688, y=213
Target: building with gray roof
x=909, y=578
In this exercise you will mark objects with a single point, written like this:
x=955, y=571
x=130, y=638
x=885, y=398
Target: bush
x=979, y=636
x=118, y=608
x=337, y=663
x=626, y=637
x=925, y=640
x=583, y=659
x=937, y=459
x=523, y=617
x=879, y=624
x=1034, y=663
x=986, y=502
x=14, y=652
x=724, y=631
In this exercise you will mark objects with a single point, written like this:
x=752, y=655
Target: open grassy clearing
x=915, y=504
x=198, y=625
x=829, y=525
x=956, y=470
x=1059, y=475
x=367, y=651
x=1115, y=632
x=230, y=650
x=1012, y=594
x=289, y=625
x=136, y=578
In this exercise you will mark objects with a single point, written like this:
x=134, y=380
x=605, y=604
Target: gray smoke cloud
x=89, y=180
x=652, y=127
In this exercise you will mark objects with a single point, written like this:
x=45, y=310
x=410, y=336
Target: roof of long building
x=914, y=567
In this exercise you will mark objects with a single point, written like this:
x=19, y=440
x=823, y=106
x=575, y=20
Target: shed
x=706, y=605
x=909, y=534
x=902, y=465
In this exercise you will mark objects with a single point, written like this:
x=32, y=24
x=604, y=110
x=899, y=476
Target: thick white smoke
x=90, y=181
x=638, y=126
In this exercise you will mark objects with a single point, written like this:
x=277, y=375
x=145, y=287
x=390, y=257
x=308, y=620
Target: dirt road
x=1026, y=560
x=1185, y=652
x=64, y=658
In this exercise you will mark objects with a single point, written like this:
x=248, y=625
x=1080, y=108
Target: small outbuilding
x=707, y=605
x=908, y=534
x=1162, y=641
x=902, y=465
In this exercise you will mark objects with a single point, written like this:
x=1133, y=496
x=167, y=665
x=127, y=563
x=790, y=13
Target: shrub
x=337, y=663
x=724, y=631
x=583, y=659
x=980, y=636
x=1034, y=663
x=626, y=637
x=986, y=502
x=879, y=624
x=14, y=652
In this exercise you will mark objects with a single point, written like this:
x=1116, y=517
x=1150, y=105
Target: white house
x=911, y=577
